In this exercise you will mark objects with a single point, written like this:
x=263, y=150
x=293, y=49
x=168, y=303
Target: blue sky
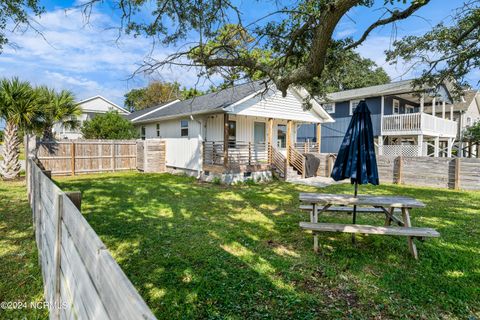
x=87, y=60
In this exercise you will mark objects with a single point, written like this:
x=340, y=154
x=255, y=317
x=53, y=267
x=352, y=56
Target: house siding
x=332, y=133
x=171, y=129
x=276, y=106
x=245, y=128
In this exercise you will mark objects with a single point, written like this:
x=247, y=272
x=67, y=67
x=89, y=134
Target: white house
x=90, y=107
x=237, y=132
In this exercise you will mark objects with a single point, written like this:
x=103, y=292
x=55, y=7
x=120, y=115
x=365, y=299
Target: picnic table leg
x=315, y=220
x=388, y=219
x=411, y=245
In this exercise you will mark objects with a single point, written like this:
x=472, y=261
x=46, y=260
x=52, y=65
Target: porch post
x=382, y=112
x=443, y=109
x=449, y=147
x=420, y=145
x=422, y=102
x=225, y=140
x=436, y=147
x=434, y=102
x=289, y=139
x=380, y=145
x=270, y=139
x=451, y=112
x=319, y=137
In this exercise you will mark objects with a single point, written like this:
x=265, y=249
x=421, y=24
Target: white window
x=469, y=121
x=142, y=133
x=409, y=109
x=329, y=107
x=158, y=129
x=396, y=106
x=353, y=105
x=184, y=128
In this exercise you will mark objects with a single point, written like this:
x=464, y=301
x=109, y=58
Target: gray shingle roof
x=383, y=89
x=468, y=97
x=209, y=102
x=138, y=113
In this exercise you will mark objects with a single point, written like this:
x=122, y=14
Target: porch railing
x=297, y=160
x=418, y=123
x=277, y=161
x=307, y=147
x=239, y=153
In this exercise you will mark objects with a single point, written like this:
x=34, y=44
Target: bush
x=110, y=125
x=1, y=136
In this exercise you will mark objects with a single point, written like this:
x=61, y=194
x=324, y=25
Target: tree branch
x=396, y=16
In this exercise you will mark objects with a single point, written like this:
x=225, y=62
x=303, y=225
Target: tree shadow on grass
x=206, y=251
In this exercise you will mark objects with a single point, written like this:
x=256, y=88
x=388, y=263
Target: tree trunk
x=47, y=133
x=10, y=165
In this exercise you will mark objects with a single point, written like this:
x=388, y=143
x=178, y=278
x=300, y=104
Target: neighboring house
x=402, y=117
x=90, y=108
x=236, y=132
x=465, y=112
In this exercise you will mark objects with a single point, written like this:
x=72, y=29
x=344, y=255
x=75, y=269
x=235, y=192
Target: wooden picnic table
x=388, y=205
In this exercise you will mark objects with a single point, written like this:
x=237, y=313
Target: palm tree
x=57, y=108
x=19, y=108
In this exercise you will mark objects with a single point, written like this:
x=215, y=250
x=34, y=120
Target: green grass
x=20, y=277
x=196, y=250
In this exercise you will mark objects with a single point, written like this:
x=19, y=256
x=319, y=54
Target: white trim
x=106, y=100
x=393, y=106
x=329, y=103
x=351, y=105
x=156, y=109
x=409, y=106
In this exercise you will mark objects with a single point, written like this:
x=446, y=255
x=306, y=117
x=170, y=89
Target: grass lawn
x=196, y=250
x=20, y=277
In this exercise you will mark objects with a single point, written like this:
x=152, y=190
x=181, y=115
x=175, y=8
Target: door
x=282, y=136
x=232, y=133
x=259, y=133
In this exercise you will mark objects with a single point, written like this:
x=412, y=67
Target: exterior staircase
x=280, y=168
x=292, y=174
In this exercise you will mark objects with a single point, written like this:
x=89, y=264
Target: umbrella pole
x=355, y=211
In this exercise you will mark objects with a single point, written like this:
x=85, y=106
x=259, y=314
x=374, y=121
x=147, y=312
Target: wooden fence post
x=399, y=170
x=113, y=156
x=58, y=250
x=456, y=184
x=48, y=173
x=72, y=158
x=76, y=198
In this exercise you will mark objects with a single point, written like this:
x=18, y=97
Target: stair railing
x=297, y=160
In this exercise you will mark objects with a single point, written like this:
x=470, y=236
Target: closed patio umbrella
x=356, y=158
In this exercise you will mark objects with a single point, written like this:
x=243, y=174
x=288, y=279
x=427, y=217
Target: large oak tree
x=292, y=44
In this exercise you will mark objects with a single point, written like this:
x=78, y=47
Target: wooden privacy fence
x=81, y=279
x=72, y=157
x=453, y=173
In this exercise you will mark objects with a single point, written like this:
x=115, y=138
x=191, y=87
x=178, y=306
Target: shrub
x=110, y=125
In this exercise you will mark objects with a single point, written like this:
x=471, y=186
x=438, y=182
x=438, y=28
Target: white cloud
x=85, y=58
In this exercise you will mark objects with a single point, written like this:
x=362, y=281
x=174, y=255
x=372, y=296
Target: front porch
x=271, y=146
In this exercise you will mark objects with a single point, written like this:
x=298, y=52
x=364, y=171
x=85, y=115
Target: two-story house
x=466, y=112
x=90, y=108
x=406, y=121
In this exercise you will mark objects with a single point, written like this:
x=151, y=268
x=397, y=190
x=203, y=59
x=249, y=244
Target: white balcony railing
x=418, y=123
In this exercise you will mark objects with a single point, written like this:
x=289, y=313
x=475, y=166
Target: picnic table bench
x=317, y=203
